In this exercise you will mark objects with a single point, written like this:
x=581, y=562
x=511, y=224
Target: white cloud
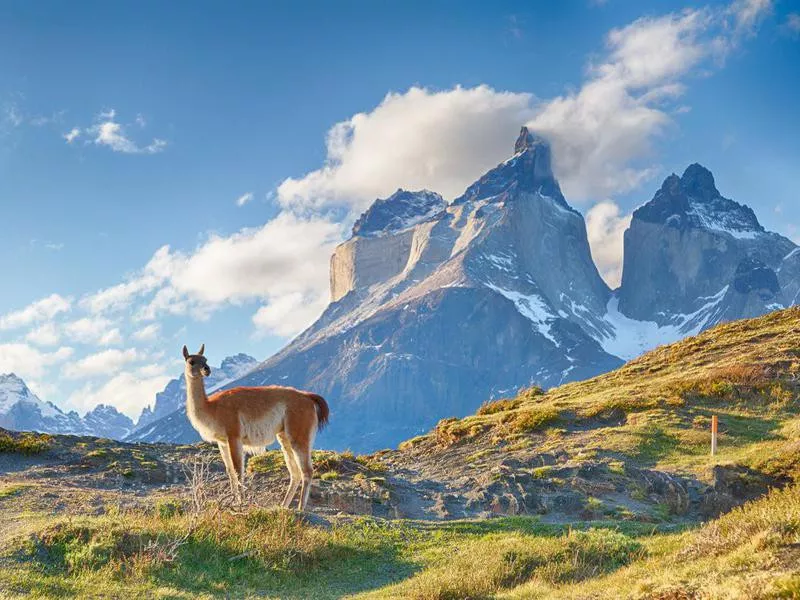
x=244, y=199
x=289, y=314
x=45, y=335
x=748, y=13
x=127, y=392
x=111, y=337
x=419, y=139
x=606, y=227
x=107, y=131
x=92, y=330
x=41, y=310
x=148, y=333
x=150, y=370
x=111, y=134
x=120, y=296
x=792, y=24
x=72, y=135
x=106, y=362
x=28, y=362
x=12, y=115
x=288, y=255
x=601, y=131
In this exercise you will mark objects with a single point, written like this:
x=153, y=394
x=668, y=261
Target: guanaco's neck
x=196, y=399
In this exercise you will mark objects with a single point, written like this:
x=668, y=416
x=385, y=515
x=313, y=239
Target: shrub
x=169, y=508
x=496, y=406
x=535, y=419
x=26, y=443
x=268, y=462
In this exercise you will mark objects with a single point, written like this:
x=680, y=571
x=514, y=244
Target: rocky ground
x=422, y=481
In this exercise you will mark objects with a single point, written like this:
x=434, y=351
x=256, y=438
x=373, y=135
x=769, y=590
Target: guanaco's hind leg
x=291, y=465
x=303, y=457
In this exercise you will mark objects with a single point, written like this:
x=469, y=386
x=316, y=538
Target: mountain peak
x=699, y=182
x=399, y=211
x=529, y=170
x=693, y=201
x=524, y=141
x=10, y=377
x=527, y=140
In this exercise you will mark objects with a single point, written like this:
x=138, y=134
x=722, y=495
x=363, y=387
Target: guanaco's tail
x=323, y=412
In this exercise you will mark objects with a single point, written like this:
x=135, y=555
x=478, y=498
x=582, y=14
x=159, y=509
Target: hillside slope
x=598, y=489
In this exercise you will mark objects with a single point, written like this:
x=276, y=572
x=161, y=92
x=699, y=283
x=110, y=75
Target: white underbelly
x=260, y=433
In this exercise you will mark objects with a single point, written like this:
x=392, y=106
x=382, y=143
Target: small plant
x=534, y=419
x=329, y=475
x=169, y=508
x=502, y=405
x=617, y=467
x=541, y=472
x=371, y=464
x=268, y=462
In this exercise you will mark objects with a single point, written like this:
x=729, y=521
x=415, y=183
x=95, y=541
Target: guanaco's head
x=196, y=364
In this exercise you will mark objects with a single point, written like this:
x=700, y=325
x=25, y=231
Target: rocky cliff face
x=694, y=258
x=381, y=241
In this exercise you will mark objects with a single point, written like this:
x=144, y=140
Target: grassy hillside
x=602, y=489
x=656, y=410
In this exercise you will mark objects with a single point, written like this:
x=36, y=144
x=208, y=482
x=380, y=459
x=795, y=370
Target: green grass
x=13, y=490
x=749, y=553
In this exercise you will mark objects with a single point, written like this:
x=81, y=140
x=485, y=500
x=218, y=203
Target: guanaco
x=248, y=419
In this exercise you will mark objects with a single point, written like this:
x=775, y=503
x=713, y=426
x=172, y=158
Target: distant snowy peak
x=106, y=421
x=21, y=409
x=692, y=201
x=14, y=390
x=238, y=365
x=528, y=170
x=401, y=210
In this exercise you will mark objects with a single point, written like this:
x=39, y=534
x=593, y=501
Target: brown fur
x=247, y=419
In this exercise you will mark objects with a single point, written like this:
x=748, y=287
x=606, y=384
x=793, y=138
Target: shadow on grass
x=533, y=526
x=332, y=572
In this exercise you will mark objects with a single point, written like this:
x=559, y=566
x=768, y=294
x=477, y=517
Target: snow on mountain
x=687, y=244
x=106, y=421
x=21, y=409
x=401, y=210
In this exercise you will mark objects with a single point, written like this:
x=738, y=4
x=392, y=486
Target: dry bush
x=495, y=406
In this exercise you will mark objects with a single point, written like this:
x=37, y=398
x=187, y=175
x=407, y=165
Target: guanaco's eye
x=191, y=361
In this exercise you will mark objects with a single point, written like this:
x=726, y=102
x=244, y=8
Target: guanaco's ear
x=202, y=349
x=185, y=353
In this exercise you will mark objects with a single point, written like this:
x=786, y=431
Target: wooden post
x=714, y=427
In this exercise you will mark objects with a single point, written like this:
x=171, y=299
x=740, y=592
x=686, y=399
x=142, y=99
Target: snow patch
x=632, y=338
x=531, y=307
x=729, y=223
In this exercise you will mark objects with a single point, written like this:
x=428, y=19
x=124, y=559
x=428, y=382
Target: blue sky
x=128, y=131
